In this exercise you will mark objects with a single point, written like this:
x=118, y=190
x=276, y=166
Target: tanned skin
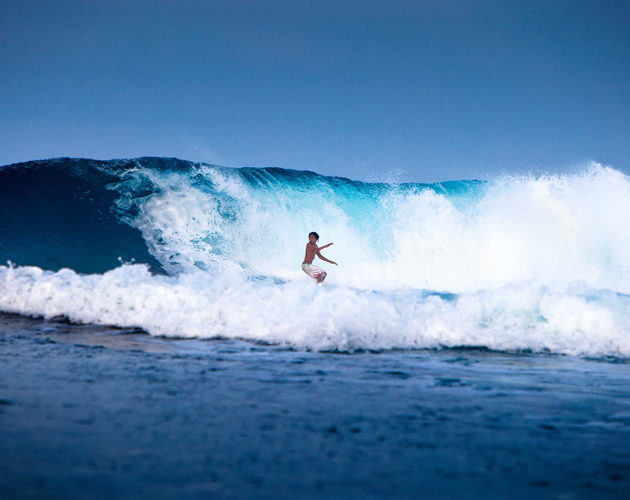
x=312, y=250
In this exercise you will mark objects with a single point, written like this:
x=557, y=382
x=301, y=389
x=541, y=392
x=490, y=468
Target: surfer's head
x=313, y=237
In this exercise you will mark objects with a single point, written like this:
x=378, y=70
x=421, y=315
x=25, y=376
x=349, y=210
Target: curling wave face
x=519, y=263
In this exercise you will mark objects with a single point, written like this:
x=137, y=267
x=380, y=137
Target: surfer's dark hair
x=314, y=234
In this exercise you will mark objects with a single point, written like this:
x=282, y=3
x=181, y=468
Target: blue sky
x=422, y=91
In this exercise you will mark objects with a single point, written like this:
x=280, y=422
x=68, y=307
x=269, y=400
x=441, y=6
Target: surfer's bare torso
x=312, y=250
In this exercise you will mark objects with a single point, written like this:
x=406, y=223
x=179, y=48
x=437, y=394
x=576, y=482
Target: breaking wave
x=194, y=250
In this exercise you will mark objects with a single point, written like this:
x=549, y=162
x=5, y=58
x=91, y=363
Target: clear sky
x=412, y=90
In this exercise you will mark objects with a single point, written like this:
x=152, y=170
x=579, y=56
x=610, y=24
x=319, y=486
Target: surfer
x=311, y=251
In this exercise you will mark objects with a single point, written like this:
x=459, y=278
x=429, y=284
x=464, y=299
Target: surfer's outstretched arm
x=324, y=258
x=324, y=246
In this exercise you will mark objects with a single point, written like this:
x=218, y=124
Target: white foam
x=303, y=315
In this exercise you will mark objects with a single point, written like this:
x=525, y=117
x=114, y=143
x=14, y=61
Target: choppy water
x=94, y=412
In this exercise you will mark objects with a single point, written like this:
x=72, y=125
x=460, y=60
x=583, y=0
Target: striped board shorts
x=313, y=271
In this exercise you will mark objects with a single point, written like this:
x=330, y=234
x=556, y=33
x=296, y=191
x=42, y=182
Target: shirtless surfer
x=311, y=251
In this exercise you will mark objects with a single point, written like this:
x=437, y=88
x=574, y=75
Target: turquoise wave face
x=60, y=213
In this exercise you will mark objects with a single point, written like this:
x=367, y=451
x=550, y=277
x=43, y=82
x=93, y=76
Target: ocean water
x=481, y=327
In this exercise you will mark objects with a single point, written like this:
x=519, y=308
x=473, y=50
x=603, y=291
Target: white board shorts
x=313, y=271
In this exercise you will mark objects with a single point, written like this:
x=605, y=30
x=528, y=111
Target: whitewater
x=184, y=249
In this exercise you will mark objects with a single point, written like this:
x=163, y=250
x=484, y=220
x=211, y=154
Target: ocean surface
x=158, y=337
